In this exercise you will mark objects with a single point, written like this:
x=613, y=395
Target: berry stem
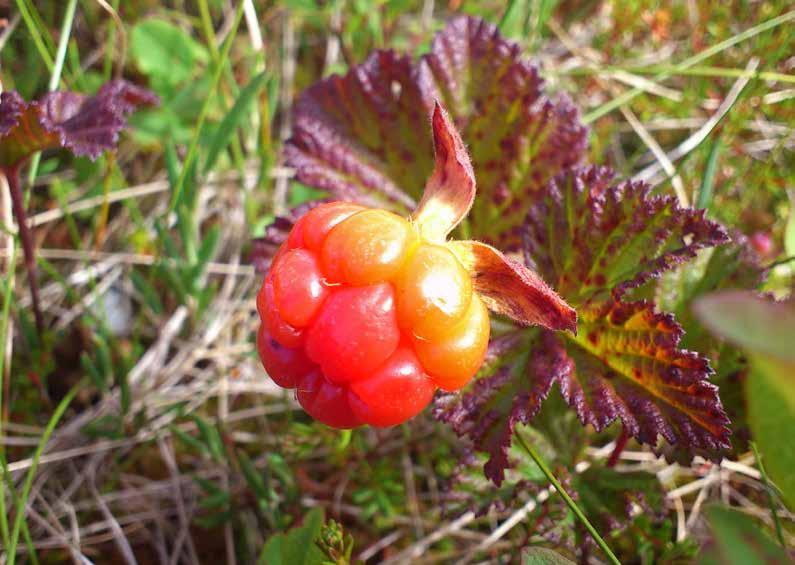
x=569, y=501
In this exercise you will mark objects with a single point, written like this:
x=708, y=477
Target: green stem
x=770, y=501
x=625, y=97
x=4, y=318
x=34, y=33
x=194, y=145
x=56, y=70
x=20, y=515
x=569, y=501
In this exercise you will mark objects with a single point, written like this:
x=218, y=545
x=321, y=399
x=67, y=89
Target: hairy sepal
x=450, y=190
x=511, y=289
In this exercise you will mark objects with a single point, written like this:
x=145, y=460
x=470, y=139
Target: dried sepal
x=85, y=125
x=450, y=190
x=511, y=289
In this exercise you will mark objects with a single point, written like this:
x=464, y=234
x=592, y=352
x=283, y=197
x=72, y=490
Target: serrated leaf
x=737, y=540
x=624, y=364
x=85, y=125
x=364, y=136
x=589, y=238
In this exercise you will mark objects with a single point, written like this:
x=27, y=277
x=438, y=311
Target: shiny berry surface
x=365, y=319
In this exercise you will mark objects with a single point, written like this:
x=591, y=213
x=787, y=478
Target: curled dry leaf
x=511, y=289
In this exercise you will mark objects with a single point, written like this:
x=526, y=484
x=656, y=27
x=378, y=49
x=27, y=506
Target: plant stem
x=18, y=206
x=194, y=145
x=569, y=501
x=770, y=501
x=23, y=501
x=4, y=317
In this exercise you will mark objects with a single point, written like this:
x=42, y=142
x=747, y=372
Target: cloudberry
x=366, y=319
x=365, y=313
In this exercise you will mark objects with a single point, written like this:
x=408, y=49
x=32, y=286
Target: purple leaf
x=86, y=125
x=365, y=136
x=590, y=238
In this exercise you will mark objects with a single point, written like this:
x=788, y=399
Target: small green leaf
x=789, y=231
x=543, y=556
x=165, y=52
x=708, y=180
x=737, y=540
x=297, y=546
x=190, y=441
x=233, y=119
x=771, y=415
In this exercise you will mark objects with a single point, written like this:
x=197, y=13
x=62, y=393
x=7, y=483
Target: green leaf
x=165, y=52
x=543, y=556
x=789, y=231
x=297, y=546
x=737, y=540
x=750, y=321
x=771, y=414
x=232, y=120
x=708, y=180
x=765, y=330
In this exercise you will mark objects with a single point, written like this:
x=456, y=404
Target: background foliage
x=141, y=428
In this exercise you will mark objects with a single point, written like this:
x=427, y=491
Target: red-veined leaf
x=364, y=136
x=590, y=238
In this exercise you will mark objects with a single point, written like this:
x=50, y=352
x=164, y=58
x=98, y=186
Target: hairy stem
x=569, y=501
x=18, y=206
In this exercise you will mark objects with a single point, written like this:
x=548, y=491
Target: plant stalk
x=569, y=501
x=18, y=206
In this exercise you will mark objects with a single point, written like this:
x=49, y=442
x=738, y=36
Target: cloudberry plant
x=365, y=313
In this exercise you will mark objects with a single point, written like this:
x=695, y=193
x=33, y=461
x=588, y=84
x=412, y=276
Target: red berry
x=365, y=318
x=286, y=366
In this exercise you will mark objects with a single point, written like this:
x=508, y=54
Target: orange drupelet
x=365, y=318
